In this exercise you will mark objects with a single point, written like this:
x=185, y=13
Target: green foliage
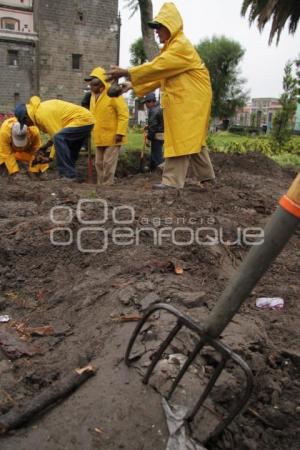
x=229, y=143
x=283, y=120
x=235, y=147
x=292, y=146
x=225, y=142
x=222, y=57
x=263, y=146
x=137, y=52
x=287, y=159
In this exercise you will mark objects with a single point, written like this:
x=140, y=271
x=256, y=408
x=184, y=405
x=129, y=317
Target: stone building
x=47, y=47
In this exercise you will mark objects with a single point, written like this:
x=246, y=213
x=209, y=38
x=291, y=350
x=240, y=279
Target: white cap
x=19, y=135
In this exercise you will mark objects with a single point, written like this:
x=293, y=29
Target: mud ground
x=84, y=299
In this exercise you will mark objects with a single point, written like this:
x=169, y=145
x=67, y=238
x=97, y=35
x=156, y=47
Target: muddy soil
x=106, y=256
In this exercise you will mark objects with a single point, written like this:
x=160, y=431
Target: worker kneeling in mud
x=19, y=143
x=67, y=124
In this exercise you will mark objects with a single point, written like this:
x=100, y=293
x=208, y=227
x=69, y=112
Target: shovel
x=142, y=155
x=281, y=226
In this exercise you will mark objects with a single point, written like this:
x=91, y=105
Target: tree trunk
x=150, y=46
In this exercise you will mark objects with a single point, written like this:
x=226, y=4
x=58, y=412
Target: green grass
x=135, y=141
x=287, y=159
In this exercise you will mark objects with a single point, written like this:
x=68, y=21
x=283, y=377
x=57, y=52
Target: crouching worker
x=20, y=144
x=110, y=132
x=67, y=124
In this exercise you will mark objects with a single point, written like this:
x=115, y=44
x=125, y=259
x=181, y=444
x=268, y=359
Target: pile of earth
x=80, y=263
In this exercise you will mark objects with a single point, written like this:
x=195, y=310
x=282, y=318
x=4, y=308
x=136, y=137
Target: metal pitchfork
x=205, y=340
x=281, y=226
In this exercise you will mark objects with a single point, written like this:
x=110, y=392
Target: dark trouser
x=156, y=154
x=67, y=145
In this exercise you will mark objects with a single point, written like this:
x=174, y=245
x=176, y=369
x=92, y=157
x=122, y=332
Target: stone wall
x=70, y=27
x=74, y=27
x=17, y=82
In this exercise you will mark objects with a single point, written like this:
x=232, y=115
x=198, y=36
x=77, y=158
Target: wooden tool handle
x=291, y=201
x=294, y=191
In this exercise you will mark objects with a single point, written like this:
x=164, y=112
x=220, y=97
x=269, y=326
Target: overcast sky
x=262, y=65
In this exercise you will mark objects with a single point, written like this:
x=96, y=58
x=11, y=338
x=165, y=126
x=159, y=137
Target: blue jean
x=68, y=142
x=156, y=153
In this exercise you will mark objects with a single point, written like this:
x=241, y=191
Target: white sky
x=262, y=64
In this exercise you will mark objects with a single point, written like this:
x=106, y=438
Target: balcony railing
x=17, y=35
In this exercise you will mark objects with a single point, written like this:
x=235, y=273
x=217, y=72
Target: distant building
x=243, y=116
x=259, y=112
x=265, y=109
x=47, y=47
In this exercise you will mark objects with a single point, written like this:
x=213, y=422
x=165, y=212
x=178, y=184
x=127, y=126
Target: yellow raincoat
x=185, y=84
x=111, y=115
x=9, y=154
x=52, y=116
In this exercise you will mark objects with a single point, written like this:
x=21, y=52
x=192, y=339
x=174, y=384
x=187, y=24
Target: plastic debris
x=178, y=439
x=4, y=319
x=270, y=303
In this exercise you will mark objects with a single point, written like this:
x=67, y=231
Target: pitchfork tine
x=207, y=390
x=184, y=368
x=205, y=339
x=160, y=351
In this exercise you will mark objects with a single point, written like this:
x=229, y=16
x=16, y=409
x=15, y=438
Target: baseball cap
x=20, y=113
x=154, y=24
x=149, y=98
x=19, y=135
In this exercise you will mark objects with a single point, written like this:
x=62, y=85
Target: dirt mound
x=84, y=260
x=253, y=162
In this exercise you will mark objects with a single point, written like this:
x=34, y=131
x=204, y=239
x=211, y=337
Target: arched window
x=9, y=23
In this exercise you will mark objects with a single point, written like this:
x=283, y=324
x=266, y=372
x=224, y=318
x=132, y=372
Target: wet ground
x=90, y=269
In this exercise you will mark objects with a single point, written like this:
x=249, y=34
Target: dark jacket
x=155, y=121
x=85, y=102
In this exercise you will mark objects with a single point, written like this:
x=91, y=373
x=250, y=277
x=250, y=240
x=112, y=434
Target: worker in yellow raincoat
x=67, y=124
x=18, y=144
x=110, y=130
x=186, y=98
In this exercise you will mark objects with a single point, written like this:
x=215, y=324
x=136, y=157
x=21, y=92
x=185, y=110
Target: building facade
x=257, y=113
x=48, y=47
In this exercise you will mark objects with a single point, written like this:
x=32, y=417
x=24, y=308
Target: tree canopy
x=137, y=52
x=278, y=12
x=222, y=57
x=283, y=120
